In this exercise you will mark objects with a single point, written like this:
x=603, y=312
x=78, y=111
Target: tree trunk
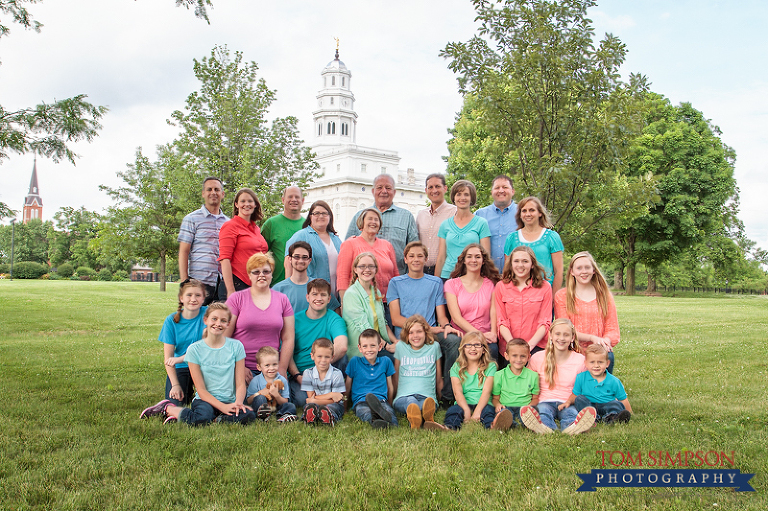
x=631, y=279
x=618, y=276
x=651, y=284
x=162, y=271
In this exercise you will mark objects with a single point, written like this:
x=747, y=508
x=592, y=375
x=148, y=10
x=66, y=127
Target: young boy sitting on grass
x=369, y=382
x=324, y=385
x=270, y=386
x=514, y=386
x=598, y=388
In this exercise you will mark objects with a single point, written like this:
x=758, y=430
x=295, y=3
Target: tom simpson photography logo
x=667, y=469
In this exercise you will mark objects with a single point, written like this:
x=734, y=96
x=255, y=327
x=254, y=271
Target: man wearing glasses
x=295, y=286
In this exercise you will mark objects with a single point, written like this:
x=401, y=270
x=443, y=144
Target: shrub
x=54, y=276
x=105, y=274
x=29, y=270
x=121, y=275
x=85, y=273
x=5, y=268
x=65, y=270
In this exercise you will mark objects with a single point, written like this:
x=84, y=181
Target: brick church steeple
x=33, y=203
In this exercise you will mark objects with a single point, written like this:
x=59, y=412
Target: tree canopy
x=547, y=106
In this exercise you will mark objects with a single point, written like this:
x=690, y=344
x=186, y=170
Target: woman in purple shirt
x=261, y=316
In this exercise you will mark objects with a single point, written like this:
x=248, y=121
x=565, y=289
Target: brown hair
x=322, y=342
x=462, y=184
x=376, y=294
x=184, y=285
x=537, y=274
x=487, y=270
x=257, y=214
x=312, y=208
x=266, y=351
x=596, y=349
x=415, y=244
x=544, y=220
x=361, y=218
x=429, y=337
x=517, y=341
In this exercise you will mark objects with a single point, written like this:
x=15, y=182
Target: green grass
x=80, y=360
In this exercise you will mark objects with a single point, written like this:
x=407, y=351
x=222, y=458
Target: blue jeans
x=549, y=412
x=516, y=420
x=187, y=386
x=454, y=417
x=449, y=346
x=363, y=411
x=203, y=413
x=401, y=403
x=286, y=408
x=611, y=360
x=337, y=410
x=603, y=409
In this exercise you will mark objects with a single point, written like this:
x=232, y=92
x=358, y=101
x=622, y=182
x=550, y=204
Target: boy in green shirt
x=514, y=386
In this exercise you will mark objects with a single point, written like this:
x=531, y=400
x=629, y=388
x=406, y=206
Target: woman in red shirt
x=239, y=239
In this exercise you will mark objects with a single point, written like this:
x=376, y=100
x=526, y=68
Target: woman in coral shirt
x=588, y=303
x=369, y=223
x=239, y=239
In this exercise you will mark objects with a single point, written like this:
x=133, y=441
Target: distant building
x=33, y=203
x=347, y=169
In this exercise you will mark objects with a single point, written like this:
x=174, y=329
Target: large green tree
x=30, y=241
x=144, y=221
x=225, y=133
x=693, y=171
x=546, y=105
x=70, y=239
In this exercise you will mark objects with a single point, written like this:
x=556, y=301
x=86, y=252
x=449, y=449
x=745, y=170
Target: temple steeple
x=33, y=203
x=335, y=117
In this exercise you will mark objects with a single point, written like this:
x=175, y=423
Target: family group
x=453, y=307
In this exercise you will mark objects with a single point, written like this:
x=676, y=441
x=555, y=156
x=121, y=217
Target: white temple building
x=347, y=170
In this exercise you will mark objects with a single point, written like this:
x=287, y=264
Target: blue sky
x=135, y=56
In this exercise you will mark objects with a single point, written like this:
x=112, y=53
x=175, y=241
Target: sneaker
x=583, y=422
x=326, y=417
x=532, y=420
x=311, y=413
x=503, y=421
x=264, y=412
x=428, y=409
x=414, y=415
x=622, y=417
x=170, y=420
x=434, y=426
x=381, y=424
x=377, y=408
x=289, y=417
x=158, y=409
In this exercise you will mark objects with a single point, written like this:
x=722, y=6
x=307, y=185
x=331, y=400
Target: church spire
x=33, y=203
x=335, y=117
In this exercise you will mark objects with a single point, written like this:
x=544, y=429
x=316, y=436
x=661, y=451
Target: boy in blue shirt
x=324, y=385
x=295, y=286
x=264, y=387
x=598, y=388
x=369, y=382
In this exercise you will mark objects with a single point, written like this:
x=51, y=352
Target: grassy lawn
x=80, y=360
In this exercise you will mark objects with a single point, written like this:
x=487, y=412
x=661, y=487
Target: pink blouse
x=475, y=307
x=385, y=257
x=523, y=312
x=565, y=376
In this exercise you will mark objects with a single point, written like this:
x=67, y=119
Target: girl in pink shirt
x=558, y=366
x=523, y=301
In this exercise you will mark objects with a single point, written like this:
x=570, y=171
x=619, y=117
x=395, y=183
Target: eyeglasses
x=260, y=272
x=301, y=257
x=320, y=213
x=363, y=267
x=476, y=346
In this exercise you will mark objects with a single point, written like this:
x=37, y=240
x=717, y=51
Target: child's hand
x=172, y=361
x=390, y=348
x=562, y=406
x=176, y=393
x=273, y=391
x=264, y=392
x=230, y=408
x=499, y=408
x=476, y=415
x=467, y=414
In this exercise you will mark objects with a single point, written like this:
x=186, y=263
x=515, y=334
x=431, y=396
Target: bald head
x=293, y=201
x=383, y=191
